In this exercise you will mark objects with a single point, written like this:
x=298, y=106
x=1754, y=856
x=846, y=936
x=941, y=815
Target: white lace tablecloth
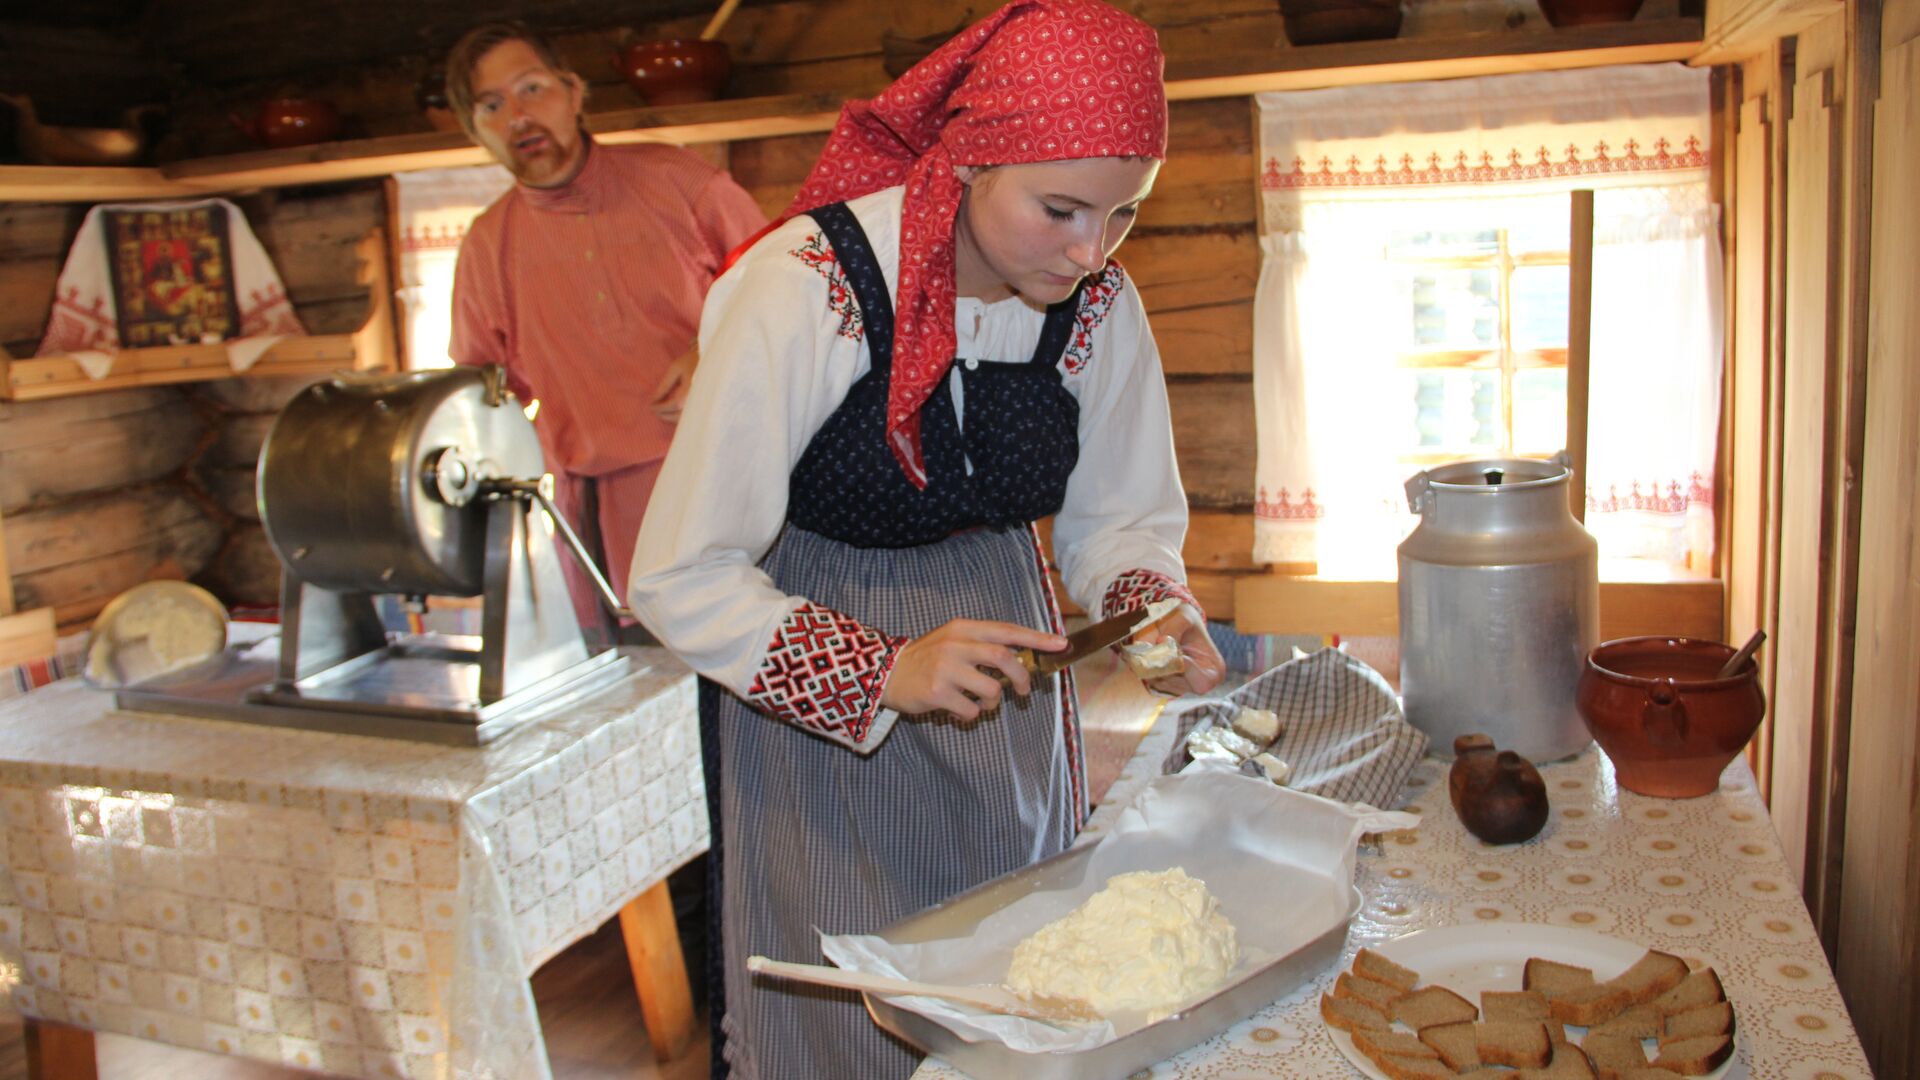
x=1702, y=878
x=357, y=906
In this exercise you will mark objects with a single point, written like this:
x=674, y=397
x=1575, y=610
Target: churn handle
x=1419, y=492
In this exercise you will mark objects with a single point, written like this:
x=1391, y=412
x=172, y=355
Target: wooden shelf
x=1244, y=68
x=58, y=376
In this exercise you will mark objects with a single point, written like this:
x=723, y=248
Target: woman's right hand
x=942, y=670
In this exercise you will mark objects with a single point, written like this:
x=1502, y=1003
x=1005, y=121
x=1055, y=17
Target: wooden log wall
x=1824, y=410
x=100, y=492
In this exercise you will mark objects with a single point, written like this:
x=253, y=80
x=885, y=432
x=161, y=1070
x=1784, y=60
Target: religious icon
x=172, y=275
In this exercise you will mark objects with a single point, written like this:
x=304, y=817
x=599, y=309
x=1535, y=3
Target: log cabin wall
x=1824, y=438
x=101, y=491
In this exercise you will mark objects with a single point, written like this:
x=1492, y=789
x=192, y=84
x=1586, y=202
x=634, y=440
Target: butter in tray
x=1280, y=863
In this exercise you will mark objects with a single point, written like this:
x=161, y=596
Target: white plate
x=1478, y=957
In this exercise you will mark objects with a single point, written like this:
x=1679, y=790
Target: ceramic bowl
x=677, y=71
x=1659, y=710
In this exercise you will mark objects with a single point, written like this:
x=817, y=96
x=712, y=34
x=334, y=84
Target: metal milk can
x=1499, y=605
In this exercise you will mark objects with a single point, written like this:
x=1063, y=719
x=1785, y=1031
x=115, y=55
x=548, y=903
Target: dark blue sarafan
x=1020, y=435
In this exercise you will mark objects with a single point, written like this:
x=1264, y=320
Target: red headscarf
x=1038, y=80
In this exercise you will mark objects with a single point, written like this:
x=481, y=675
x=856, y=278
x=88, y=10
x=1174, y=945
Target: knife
x=1083, y=643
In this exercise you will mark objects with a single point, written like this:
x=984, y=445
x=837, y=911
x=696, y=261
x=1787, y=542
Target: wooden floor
x=587, y=1009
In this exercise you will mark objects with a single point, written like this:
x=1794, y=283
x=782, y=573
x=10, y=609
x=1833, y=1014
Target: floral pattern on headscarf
x=1036, y=81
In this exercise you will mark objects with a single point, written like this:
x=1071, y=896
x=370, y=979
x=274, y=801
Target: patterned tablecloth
x=359, y=906
x=1703, y=878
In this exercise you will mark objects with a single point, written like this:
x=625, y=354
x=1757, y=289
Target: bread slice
x=1432, y=1005
x=1458, y=1044
x=1377, y=994
x=1649, y=1073
x=1412, y=1068
x=1700, y=988
x=1612, y=1055
x=1590, y=1005
x=1513, y=1005
x=1714, y=1019
x=1650, y=976
x=1371, y=965
x=1639, y=1021
x=1569, y=1063
x=1375, y=1044
x=1349, y=1015
x=1553, y=979
x=1695, y=1057
x=1519, y=1044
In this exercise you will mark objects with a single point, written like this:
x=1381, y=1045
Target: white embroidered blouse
x=781, y=343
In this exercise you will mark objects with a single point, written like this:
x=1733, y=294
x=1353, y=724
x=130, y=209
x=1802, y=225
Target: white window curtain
x=435, y=207
x=1343, y=171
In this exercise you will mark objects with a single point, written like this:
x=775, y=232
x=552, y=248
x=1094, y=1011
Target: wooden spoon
x=719, y=20
x=1738, y=659
x=992, y=998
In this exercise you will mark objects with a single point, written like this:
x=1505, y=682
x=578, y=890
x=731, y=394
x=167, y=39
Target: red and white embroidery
x=824, y=671
x=1659, y=497
x=1283, y=507
x=1467, y=168
x=818, y=254
x=1136, y=587
x=1096, y=302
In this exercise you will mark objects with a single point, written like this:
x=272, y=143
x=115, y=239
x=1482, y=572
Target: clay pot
x=1497, y=794
x=1323, y=22
x=290, y=121
x=1658, y=709
x=677, y=71
x=1588, y=12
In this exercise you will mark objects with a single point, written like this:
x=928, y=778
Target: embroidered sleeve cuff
x=1136, y=587
x=824, y=672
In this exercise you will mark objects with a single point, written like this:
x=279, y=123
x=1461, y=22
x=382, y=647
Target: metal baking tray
x=992, y=1060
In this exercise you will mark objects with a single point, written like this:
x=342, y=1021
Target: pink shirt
x=587, y=292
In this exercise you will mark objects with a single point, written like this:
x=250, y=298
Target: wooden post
x=659, y=972
x=6, y=575
x=1579, y=344
x=59, y=1052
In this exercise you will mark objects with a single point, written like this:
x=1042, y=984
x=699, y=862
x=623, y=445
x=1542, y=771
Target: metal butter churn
x=1499, y=604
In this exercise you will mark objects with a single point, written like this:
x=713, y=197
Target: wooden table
x=1703, y=878
x=357, y=906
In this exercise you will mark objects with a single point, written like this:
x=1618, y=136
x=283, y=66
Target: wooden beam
x=59, y=376
x=1579, y=344
x=1256, y=68
x=1277, y=604
x=1739, y=29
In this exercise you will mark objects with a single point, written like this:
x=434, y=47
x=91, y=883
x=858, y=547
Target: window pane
x=1541, y=231
x=1444, y=243
x=1455, y=410
x=1456, y=308
x=1540, y=307
x=1540, y=410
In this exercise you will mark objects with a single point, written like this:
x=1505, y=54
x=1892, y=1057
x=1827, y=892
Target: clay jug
x=1498, y=795
x=290, y=121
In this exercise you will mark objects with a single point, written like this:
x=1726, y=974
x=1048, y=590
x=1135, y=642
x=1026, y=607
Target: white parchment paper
x=1279, y=861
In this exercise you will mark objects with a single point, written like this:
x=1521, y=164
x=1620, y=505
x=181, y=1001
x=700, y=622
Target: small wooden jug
x=1498, y=795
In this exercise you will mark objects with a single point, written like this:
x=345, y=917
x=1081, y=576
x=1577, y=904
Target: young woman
x=895, y=384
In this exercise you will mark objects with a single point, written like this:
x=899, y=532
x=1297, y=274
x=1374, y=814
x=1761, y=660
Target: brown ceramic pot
x=677, y=71
x=1658, y=709
x=285, y=122
x=1589, y=12
x=1324, y=22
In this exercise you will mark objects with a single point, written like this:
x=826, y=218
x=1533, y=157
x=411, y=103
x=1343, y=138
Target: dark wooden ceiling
x=86, y=61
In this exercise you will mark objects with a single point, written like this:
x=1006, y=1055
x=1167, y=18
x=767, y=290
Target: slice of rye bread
x=1553, y=979
x=1695, y=1057
x=1650, y=976
x=1714, y=1019
x=1376, y=1043
x=1349, y=1015
x=1592, y=1005
x=1640, y=1022
x=1649, y=1073
x=1377, y=994
x=1612, y=1055
x=1513, y=1005
x=1518, y=1044
x=1457, y=1043
x=1432, y=1005
x=1700, y=988
x=1413, y=1068
x=1569, y=1063
x=1371, y=965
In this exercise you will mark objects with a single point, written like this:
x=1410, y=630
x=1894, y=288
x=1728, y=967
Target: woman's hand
x=1188, y=626
x=670, y=396
x=943, y=669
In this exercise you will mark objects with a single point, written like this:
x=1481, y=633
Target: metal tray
x=991, y=1060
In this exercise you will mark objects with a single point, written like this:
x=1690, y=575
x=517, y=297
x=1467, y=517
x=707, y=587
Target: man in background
x=585, y=280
